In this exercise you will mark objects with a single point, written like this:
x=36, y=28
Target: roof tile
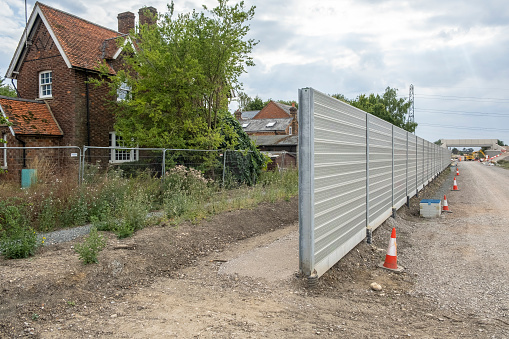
x=84, y=43
x=30, y=117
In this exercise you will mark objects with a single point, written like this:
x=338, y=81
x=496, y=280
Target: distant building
x=274, y=119
x=273, y=129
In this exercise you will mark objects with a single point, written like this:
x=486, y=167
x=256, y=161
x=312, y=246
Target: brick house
x=274, y=119
x=56, y=57
x=275, y=128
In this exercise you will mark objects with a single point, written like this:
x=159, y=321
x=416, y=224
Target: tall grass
x=119, y=204
x=196, y=204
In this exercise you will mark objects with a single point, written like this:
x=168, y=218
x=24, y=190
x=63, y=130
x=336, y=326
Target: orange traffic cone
x=457, y=171
x=445, y=208
x=455, y=185
x=391, y=259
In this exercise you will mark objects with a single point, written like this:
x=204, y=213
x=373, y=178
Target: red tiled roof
x=30, y=117
x=84, y=43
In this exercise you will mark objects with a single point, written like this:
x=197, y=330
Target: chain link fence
x=44, y=164
x=228, y=167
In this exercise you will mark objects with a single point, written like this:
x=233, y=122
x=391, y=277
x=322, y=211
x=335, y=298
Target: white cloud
x=354, y=46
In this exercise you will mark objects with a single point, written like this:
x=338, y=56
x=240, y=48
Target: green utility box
x=28, y=177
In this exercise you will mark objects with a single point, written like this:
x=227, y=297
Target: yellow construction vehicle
x=479, y=155
x=469, y=157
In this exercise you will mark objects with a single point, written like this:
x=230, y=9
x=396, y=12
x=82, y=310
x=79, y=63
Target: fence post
x=406, y=177
x=83, y=163
x=163, y=170
x=79, y=168
x=224, y=165
x=423, y=163
x=392, y=195
x=416, y=168
x=368, y=229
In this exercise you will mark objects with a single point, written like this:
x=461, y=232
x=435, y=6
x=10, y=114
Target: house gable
x=81, y=43
x=273, y=110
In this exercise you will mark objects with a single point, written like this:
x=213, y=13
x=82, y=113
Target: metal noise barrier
x=354, y=171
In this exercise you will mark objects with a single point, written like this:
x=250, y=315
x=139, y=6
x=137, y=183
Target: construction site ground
x=235, y=276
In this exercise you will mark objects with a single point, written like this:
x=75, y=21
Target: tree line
x=386, y=106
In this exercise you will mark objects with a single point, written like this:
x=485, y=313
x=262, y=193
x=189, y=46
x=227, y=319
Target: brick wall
x=54, y=161
x=69, y=101
x=43, y=55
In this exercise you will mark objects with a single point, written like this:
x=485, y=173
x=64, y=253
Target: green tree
x=501, y=143
x=3, y=120
x=255, y=104
x=181, y=74
x=288, y=103
x=387, y=107
x=246, y=166
x=7, y=90
x=341, y=97
x=244, y=101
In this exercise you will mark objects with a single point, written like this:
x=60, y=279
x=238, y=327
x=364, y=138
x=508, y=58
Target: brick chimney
x=238, y=115
x=295, y=123
x=125, y=22
x=147, y=15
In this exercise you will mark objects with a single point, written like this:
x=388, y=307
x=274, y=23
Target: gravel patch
x=70, y=234
x=64, y=235
x=460, y=260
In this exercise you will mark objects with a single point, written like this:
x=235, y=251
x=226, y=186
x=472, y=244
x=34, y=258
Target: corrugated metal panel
x=339, y=195
x=420, y=162
x=400, y=162
x=354, y=168
x=412, y=165
x=380, y=167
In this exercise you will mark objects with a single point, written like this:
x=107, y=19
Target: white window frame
x=4, y=153
x=290, y=130
x=120, y=155
x=45, y=84
x=123, y=92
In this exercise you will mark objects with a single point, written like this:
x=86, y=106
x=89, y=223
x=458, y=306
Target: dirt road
x=197, y=281
x=466, y=262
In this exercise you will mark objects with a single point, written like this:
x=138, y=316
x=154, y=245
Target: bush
x=18, y=239
x=93, y=244
x=184, y=191
x=127, y=218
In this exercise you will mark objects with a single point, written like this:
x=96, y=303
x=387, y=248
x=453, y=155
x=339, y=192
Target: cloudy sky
x=455, y=53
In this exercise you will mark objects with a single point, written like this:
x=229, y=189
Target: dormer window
x=123, y=92
x=271, y=124
x=244, y=125
x=46, y=84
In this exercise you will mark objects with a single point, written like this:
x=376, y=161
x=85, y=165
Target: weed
x=93, y=244
x=48, y=217
x=18, y=239
x=35, y=316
